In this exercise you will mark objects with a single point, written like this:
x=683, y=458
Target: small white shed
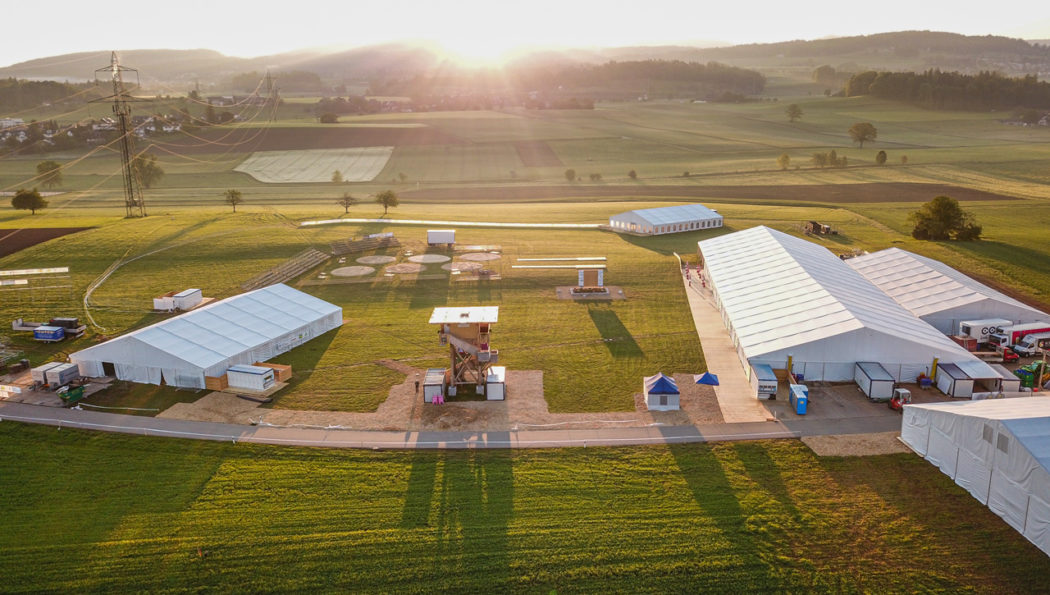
x=873, y=380
x=661, y=393
x=433, y=384
x=188, y=299
x=496, y=384
x=441, y=236
x=1010, y=383
x=250, y=377
x=164, y=303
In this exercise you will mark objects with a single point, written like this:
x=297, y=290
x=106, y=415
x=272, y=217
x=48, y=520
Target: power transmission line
x=132, y=190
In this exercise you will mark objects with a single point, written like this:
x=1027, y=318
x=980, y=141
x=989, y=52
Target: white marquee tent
x=937, y=293
x=783, y=296
x=661, y=220
x=243, y=329
x=998, y=450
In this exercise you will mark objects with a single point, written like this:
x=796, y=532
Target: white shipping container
x=62, y=375
x=873, y=380
x=496, y=384
x=441, y=236
x=186, y=300
x=981, y=329
x=38, y=374
x=250, y=377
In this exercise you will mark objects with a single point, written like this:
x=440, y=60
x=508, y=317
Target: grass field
x=360, y=164
x=97, y=512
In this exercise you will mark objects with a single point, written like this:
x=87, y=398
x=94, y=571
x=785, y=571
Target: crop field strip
x=361, y=164
x=158, y=514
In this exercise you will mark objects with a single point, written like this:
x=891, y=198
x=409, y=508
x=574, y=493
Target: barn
x=937, y=293
x=243, y=329
x=785, y=299
x=662, y=220
x=998, y=450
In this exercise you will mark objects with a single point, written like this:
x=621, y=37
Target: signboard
x=7, y=390
x=18, y=272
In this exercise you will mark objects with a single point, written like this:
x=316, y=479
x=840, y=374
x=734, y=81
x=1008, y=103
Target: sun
x=476, y=52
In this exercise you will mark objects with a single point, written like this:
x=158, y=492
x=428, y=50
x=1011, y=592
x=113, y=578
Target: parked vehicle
x=1006, y=356
x=1013, y=335
x=900, y=398
x=1032, y=345
x=982, y=329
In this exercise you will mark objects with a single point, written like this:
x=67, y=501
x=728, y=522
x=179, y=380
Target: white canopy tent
x=661, y=220
x=244, y=329
x=937, y=293
x=784, y=297
x=998, y=450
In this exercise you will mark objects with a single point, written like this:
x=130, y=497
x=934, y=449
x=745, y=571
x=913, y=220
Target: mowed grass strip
x=100, y=512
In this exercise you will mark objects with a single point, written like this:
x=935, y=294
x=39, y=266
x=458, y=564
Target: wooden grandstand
x=289, y=269
x=352, y=246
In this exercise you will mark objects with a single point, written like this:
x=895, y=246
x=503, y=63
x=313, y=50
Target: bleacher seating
x=290, y=269
x=352, y=246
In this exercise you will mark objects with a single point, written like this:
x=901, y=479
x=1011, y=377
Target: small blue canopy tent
x=660, y=384
x=707, y=378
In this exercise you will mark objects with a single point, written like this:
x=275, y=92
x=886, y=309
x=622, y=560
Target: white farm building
x=783, y=297
x=998, y=450
x=663, y=220
x=937, y=293
x=244, y=329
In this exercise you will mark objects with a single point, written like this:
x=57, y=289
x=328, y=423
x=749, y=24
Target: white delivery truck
x=1032, y=345
x=982, y=329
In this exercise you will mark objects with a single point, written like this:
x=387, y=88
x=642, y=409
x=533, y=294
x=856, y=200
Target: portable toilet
x=250, y=377
x=799, y=398
x=433, y=384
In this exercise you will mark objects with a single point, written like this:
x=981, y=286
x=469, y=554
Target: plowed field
x=13, y=240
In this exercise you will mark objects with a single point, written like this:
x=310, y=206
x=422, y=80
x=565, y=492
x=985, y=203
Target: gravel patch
x=462, y=266
x=855, y=445
x=405, y=268
x=480, y=256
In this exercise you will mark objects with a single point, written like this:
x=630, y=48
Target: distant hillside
x=905, y=50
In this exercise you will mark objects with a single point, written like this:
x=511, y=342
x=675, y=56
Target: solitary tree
x=632, y=174
x=233, y=198
x=50, y=173
x=337, y=177
x=329, y=118
x=784, y=161
x=904, y=160
x=388, y=199
x=570, y=175
x=28, y=200
x=346, y=202
x=943, y=219
x=862, y=132
x=146, y=169
x=794, y=112
x=880, y=157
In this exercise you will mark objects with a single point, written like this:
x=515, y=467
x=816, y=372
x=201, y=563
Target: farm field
x=354, y=165
x=157, y=514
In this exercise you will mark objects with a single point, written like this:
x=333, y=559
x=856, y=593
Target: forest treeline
x=17, y=94
x=934, y=89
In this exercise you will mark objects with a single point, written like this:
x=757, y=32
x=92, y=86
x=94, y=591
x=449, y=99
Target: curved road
x=341, y=438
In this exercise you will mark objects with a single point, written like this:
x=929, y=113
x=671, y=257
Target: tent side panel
x=1008, y=500
x=915, y=429
x=1037, y=524
x=943, y=452
x=973, y=476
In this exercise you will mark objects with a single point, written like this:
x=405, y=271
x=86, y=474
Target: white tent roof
x=781, y=291
x=671, y=215
x=211, y=334
x=925, y=286
x=471, y=314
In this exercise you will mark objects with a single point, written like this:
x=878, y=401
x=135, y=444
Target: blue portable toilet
x=799, y=398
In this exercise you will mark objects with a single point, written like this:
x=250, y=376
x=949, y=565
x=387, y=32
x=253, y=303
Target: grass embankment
x=99, y=512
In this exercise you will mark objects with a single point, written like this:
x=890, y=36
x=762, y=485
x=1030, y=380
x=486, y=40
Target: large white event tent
x=243, y=329
x=782, y=296
x=937, y=293
x=662, y=220
x=998, y=450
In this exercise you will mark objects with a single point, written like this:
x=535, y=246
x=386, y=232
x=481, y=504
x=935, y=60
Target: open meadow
x=98, y=512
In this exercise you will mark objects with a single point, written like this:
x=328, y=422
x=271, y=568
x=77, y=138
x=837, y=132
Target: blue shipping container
x=49, y=333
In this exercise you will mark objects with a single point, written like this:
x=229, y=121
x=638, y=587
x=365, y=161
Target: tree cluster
x=829, y=159
x=943, y=219
x=18, y=94
x=934, y=89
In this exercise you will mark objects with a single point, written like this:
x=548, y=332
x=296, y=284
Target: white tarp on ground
x=780, y=295
x=997, y=450
x=244, y=329
x=937, y=293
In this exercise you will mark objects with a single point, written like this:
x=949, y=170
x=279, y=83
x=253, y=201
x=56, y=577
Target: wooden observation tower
x=467, y=333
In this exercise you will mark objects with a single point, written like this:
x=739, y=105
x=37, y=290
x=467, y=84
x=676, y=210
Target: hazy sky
x=483, y=29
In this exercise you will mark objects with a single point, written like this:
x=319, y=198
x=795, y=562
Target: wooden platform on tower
x=467, y=332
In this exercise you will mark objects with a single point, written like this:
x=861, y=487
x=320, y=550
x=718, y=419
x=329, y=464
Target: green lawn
x=99, y=512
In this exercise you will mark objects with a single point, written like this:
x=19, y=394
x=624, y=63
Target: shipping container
x=61, y=375
x=952, y=381
x=433, y=384
x=764, y=381
x=982, y=329
x=250, y=377
x=874, y=381
x=186, y=300
x=39, y=373
x=49, y=334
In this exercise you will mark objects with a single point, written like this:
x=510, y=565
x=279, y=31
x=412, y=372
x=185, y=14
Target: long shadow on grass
x=475, y=504
x=719, y=504
x=617, y=338
x=431, y=293
x=682, y=243
x=303, y=360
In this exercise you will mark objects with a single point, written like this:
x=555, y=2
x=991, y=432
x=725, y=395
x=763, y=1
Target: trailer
x=982, y=329
x=436, y=237
x=49, y=334
x=764, y=381
x=874, y=381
